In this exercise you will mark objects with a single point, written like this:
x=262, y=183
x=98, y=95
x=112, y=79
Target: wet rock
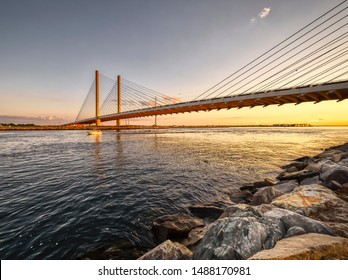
x=265, y=195
x=206, y=211
x=305, y=159
x=298, y=176
x=335, y=173
x=247, y=187
x=337, y=157
x=308, y=199
x=295, y=230
x=168, y=250
x=237, y=237
x=286, y=187
x=310, y=246
x=174, y=226
x=310, y=181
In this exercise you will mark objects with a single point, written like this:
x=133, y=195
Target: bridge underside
x=333, y=91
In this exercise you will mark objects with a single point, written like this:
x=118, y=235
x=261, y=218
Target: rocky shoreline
x=301, y=214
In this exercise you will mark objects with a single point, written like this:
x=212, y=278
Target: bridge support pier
x=119, y=99
x=97, y=107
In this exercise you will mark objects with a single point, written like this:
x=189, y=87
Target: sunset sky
x=49, y=51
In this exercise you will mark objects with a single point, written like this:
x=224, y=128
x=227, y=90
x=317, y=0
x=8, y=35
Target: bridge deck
x=317, y=93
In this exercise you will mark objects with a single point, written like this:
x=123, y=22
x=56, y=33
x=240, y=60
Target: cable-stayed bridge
x=308, y=66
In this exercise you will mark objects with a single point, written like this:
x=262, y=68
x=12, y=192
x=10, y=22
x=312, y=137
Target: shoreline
x=300, y=214
x=140, y=127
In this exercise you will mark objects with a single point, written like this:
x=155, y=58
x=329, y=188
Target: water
x=63, y=193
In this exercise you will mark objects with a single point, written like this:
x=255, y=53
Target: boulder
x=237, y=237
x=206, y=211
x=295, y=230
x=175, y=226
x=289, y=219
x=298, y=176
x=310, y=246
x=292, y=169
x=194, y=236
x=333, y=185
x=265, y=183
x=308, y=199
x=336, y=173
x=286, y=186
x=237, y=196
x=265, y=196
x=310, y=181
x=168, y=250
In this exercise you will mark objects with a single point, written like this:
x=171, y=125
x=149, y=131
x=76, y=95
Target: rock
x=194, y=236
x=341, y=229
x=298, y=165
x=298, y=176
x=265, y=183
x=307, y=199
x=174, y=226
x=336, y=173
x=247, y=187
x=337, y=157
x=310, y=181
x=241, y=197
x=237, y=237
x=313, y=167
x=310, y=246
x=289, y=219
x=168, y=250
x=292, y=169
x=265, y=195
x=206, y=211
x=230, y=211
x=286, y=187
x=295, y=230
x=333, y=185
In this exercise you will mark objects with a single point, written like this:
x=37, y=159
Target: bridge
x=308, y=66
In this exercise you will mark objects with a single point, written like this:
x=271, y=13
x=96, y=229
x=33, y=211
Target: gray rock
x=168, y=250
x=295, y=230
x=206, y=211
x=174, y=226
x=289, y=219
x=237, y=237
x=241, y=196
x=310, y=181
x=265, y=195
x=333, y=185
x=336, y=173
x=286, y=187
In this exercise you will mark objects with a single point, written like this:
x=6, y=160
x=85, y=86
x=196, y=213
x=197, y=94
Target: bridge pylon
x=119, y=99
x=97, y=107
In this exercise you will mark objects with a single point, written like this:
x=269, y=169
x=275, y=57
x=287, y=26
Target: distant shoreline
x=129, y=127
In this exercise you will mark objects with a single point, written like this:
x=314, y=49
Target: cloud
x=261, y=15
x=264, y=13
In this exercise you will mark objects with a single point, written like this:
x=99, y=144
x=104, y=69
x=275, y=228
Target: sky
x=49, y=51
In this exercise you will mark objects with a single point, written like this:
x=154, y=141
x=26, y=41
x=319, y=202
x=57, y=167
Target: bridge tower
x=118, y=121
x=97, y=107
